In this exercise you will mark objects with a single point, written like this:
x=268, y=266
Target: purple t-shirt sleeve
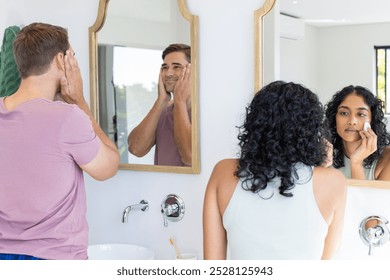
x=78, y=139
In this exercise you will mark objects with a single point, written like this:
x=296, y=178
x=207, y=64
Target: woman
x=357, y=152
x=276, y=201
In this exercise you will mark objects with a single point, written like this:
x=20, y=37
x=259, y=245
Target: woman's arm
x=367, y=147
x=214, y=234
x=330, y=188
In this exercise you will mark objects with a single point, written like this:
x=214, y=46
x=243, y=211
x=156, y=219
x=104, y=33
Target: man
x=45, y=146
x=168, y=123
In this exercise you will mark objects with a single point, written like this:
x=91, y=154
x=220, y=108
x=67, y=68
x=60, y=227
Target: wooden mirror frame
x=94, y=96
x=258, y=24
x=258, y=18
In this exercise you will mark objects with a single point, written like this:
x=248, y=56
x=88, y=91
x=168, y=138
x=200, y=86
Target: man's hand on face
x=182, y=91
x=71, y=82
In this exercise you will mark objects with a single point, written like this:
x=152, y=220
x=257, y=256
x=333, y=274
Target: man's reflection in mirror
x=358, y=134
x=168, y=123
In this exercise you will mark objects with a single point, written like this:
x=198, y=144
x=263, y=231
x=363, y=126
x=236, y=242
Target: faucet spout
x=125, y=215
x=143, y=206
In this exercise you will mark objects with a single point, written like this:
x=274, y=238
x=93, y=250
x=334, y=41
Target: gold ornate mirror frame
x=94, y=96
x=258, y=17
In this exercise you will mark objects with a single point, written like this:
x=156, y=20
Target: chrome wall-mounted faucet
x=374, y=232
x=143, y=206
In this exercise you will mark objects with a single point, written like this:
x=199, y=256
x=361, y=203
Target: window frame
x=386, y=95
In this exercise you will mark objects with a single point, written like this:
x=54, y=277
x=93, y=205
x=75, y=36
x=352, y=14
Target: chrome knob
x=374, y=232
x=172, y=209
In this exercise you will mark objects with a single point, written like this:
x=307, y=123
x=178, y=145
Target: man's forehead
x=175, y=57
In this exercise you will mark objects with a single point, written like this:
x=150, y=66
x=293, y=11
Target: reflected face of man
x=171, y=69
x=352, y=113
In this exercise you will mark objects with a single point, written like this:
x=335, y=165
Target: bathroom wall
x=226, y=64
x=361, y=204
x=299, y=59
x=328, y=58
x=76, y=16
x=153, y=30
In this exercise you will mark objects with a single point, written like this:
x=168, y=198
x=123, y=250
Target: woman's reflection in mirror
x=167, y=126
x=357, y=127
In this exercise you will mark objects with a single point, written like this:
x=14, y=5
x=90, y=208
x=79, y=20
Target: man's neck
x=31, y=88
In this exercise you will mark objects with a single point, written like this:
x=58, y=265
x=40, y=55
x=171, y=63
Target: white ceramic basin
x=114, y=251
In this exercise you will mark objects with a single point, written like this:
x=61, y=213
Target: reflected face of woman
x=171, y=69
x=352, y=113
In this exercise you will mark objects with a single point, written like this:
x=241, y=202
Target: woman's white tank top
x=279, y=228
x=369, y=172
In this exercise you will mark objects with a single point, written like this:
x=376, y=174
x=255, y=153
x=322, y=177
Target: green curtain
x=9, y=74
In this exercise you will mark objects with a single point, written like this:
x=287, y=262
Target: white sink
x=114, y=251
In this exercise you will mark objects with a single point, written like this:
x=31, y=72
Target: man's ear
x=60, y=61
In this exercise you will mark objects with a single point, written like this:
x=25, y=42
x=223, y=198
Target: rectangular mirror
x=126, y=45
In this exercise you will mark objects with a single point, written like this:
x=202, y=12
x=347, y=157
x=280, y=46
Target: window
x=135, y=80
x=382, y=54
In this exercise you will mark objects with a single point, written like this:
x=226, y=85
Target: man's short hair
x=183, y=48
x=36, y=45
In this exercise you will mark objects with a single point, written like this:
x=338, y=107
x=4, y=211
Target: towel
x=9, y=74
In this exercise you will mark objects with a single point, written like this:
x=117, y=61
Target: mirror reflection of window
x=136, y=91
x=127, y=93
x=382, y=54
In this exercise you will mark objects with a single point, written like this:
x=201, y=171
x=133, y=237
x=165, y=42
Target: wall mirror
x=126, y=44
x=311, y=43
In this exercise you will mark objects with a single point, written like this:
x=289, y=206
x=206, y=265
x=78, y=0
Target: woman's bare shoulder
x=227, y=163
x=223, y=181
x=386, y=154
x=330, y=176
x=224, y=171
x=382, y=171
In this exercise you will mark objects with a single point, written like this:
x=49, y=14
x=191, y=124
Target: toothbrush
x=173, y=243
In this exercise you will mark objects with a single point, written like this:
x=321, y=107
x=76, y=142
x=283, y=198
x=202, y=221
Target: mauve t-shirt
x=166, y=152
x=42, y=192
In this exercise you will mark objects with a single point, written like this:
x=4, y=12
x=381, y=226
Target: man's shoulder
x=62, y=111
x=66, y=108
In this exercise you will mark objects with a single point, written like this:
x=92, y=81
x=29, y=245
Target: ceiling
x=337, y=12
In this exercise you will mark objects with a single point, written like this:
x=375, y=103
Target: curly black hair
x=378, y=123
x=283, y=126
